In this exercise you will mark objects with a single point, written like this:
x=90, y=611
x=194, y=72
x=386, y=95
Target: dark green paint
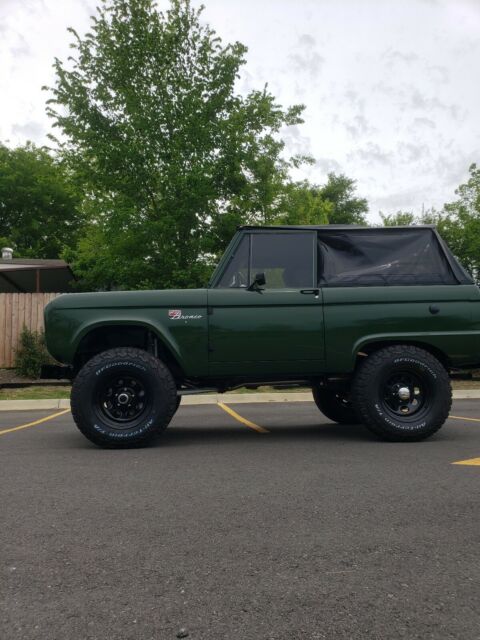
x=70, y=317
x=278, y=332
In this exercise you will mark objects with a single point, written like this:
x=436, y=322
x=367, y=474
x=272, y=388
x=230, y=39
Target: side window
x=236, y=273
x=381, y=257
x=286, y=259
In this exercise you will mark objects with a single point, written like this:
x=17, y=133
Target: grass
x=35, y=393
x=54, y=392
x=46, y=393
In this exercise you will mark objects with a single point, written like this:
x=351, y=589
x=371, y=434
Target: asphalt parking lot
x=282, y=526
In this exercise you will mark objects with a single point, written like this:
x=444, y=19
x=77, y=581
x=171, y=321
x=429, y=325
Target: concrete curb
x=466, y=394
x=31, y=405
x=243, y=398
x=208, y=398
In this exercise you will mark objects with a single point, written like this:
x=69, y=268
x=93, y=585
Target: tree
x=39, y=206
x=346, y=207
x=459, y=223
x=302, y=203
x=334, y=203
x=171, y=158
x=399, y=219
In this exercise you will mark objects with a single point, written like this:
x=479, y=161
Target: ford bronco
x=374, y=320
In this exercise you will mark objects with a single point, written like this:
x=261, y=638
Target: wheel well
x=119, y=335
x=371, y=347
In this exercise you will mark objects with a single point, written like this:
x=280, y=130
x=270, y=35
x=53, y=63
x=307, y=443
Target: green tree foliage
x=346, y=206
x=399, y=219
x=302, y=203
x=458, y=222
x=170, y=156
x=38, y=203
x=333, y=203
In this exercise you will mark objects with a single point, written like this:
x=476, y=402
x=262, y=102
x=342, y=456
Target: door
x=278, y=327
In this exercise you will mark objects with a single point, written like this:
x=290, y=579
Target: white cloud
x=305, y=58
x=390, y=88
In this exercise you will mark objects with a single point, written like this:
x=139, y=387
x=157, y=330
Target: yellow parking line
x=35, y=422
x=244, y=421
x=474, y=462
x=462, y=418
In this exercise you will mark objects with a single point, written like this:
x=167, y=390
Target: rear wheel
x=402, y=393
x=335, y=404
x=123, y=397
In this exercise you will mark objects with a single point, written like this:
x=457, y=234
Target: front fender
x=184, y=336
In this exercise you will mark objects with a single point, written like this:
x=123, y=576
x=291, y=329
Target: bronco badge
x=176, y=314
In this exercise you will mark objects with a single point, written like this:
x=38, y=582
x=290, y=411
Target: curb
x=207, y=398
x=31, y=405
x=244, y=398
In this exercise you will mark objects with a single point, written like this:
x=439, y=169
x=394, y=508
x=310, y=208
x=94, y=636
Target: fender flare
x=167, y=341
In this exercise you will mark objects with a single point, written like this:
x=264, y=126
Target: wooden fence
x=16, y=310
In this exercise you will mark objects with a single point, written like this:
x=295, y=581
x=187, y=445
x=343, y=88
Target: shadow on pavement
x=188, y=435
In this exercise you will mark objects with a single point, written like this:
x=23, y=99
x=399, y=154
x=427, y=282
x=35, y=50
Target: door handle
x=312, y=292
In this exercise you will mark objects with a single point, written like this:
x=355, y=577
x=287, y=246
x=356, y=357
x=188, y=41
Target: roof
x=19, y=263
x=24, y=275
x=330, y=227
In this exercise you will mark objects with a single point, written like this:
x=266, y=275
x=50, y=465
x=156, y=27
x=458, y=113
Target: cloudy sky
x=391, y=88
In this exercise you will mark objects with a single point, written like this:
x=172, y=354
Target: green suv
x=375, y=320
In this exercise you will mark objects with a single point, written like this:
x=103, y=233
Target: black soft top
x=352, y=255
x=332, y=227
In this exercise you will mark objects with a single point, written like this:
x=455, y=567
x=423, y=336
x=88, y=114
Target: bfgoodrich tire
x=123, y=398
x=335, y=405
x=402, y=393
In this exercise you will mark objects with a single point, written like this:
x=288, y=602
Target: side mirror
x=258, y=282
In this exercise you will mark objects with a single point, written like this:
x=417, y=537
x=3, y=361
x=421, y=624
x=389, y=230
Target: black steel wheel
x=406, y=393
x=123, y=397
x=402, y=393
x=335, y=404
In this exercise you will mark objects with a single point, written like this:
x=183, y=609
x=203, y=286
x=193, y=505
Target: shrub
x=31, y=354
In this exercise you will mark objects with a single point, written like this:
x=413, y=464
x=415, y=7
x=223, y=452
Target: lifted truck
x=373, y=319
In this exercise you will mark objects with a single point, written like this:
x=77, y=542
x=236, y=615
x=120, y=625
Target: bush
x=31, y=354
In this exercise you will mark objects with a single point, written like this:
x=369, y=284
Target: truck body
x=287, y=304
x=274, y=333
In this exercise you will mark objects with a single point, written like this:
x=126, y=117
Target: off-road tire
x=373, y=393
x=96, y=393
x=335, y=405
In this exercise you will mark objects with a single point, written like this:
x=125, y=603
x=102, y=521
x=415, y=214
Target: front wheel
x=402, y=393
x=123, y=397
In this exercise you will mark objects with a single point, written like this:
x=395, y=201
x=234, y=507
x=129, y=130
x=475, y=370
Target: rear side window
x=378, y=258
x=286, y=259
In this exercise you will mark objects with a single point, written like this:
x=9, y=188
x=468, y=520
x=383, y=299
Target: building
x=20, y=275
